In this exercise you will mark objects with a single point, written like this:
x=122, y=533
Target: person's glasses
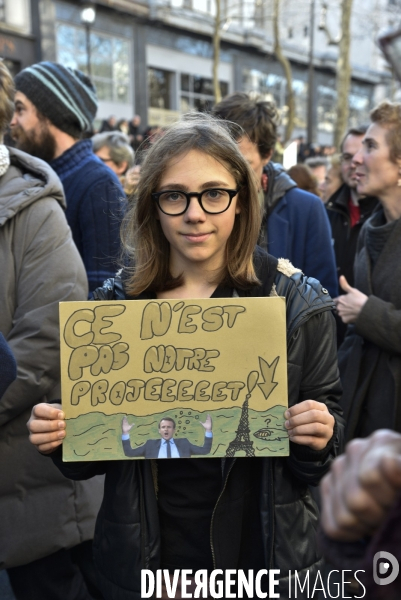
x=213, y=201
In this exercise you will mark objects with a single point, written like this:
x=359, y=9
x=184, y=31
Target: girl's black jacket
x=127, y=532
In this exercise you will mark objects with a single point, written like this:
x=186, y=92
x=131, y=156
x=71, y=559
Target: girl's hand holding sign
x=46, y=427
x=309, y=423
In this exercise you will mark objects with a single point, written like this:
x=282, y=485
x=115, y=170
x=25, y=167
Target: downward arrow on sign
x=267, y=372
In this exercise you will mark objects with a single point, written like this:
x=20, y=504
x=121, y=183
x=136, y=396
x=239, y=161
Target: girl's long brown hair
x=144, y=243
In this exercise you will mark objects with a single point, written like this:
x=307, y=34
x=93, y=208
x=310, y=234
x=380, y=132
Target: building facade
x=155, y=57
x=19, y=33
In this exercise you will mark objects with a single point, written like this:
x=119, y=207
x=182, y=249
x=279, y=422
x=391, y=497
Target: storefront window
x=101, y=52
x=185, y=83
x=185, y=104
x=205, y=6
x=121, y=70
x=197, y=93
x=301, y=101
x=202, y=85
x=159, y=88
x=109, y=60
x=360, y=104
x=326, y=107
x=271, y=87
x=359, y=100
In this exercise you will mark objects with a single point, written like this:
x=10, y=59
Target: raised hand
x=125, y=426
x=207, y=424
x=350, y=304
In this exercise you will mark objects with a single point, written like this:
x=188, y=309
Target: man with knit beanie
x=54, y=107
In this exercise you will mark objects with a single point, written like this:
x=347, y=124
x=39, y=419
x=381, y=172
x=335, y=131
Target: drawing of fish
x=262, y=433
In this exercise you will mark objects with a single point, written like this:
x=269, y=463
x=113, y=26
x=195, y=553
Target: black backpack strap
x=112, y=289
x=266, y=270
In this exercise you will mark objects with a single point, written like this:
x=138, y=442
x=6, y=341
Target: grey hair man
x=114, y=149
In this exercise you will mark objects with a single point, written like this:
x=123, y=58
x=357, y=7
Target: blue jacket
x=298, y=229
x=95, y=203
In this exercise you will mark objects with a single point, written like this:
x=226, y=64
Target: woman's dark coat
x=370, y=357
x=127, y=532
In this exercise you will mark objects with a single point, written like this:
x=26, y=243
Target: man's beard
x=36, y=143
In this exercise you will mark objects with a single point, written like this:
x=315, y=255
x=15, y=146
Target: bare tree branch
x=343, y=73
x=285, y=63
x=216, y=52
x=332, y=41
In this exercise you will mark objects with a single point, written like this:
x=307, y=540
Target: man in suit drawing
x=167, y=447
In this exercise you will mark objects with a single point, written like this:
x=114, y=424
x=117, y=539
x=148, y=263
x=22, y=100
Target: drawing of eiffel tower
x=242, y=441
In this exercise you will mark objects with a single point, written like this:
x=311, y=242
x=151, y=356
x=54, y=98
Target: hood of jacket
x=27, y=180
x=282, y=182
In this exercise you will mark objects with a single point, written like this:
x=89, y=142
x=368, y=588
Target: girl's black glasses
x=175, y=203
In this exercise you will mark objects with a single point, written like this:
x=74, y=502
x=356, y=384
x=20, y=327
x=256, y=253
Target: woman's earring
x=399, y=178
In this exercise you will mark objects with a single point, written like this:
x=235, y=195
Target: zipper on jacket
x=345, y=215
x=271, y=511
x=144, y=556
x=214, y=511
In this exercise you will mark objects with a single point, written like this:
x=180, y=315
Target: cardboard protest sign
x=213, y=372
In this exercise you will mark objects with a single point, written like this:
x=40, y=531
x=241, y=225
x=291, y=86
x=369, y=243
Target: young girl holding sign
x=192, y=233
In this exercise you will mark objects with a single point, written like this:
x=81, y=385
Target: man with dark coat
x=348, y=211
x=54, y=106
x=109, y=124
x=295, y=224
x=134, y=132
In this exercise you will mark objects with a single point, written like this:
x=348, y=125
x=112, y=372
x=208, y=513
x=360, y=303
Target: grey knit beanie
x=63, y=95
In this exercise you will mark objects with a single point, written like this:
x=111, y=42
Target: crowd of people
x=198, y=210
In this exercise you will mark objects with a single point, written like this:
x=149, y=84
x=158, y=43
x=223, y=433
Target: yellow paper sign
x=179, y=378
